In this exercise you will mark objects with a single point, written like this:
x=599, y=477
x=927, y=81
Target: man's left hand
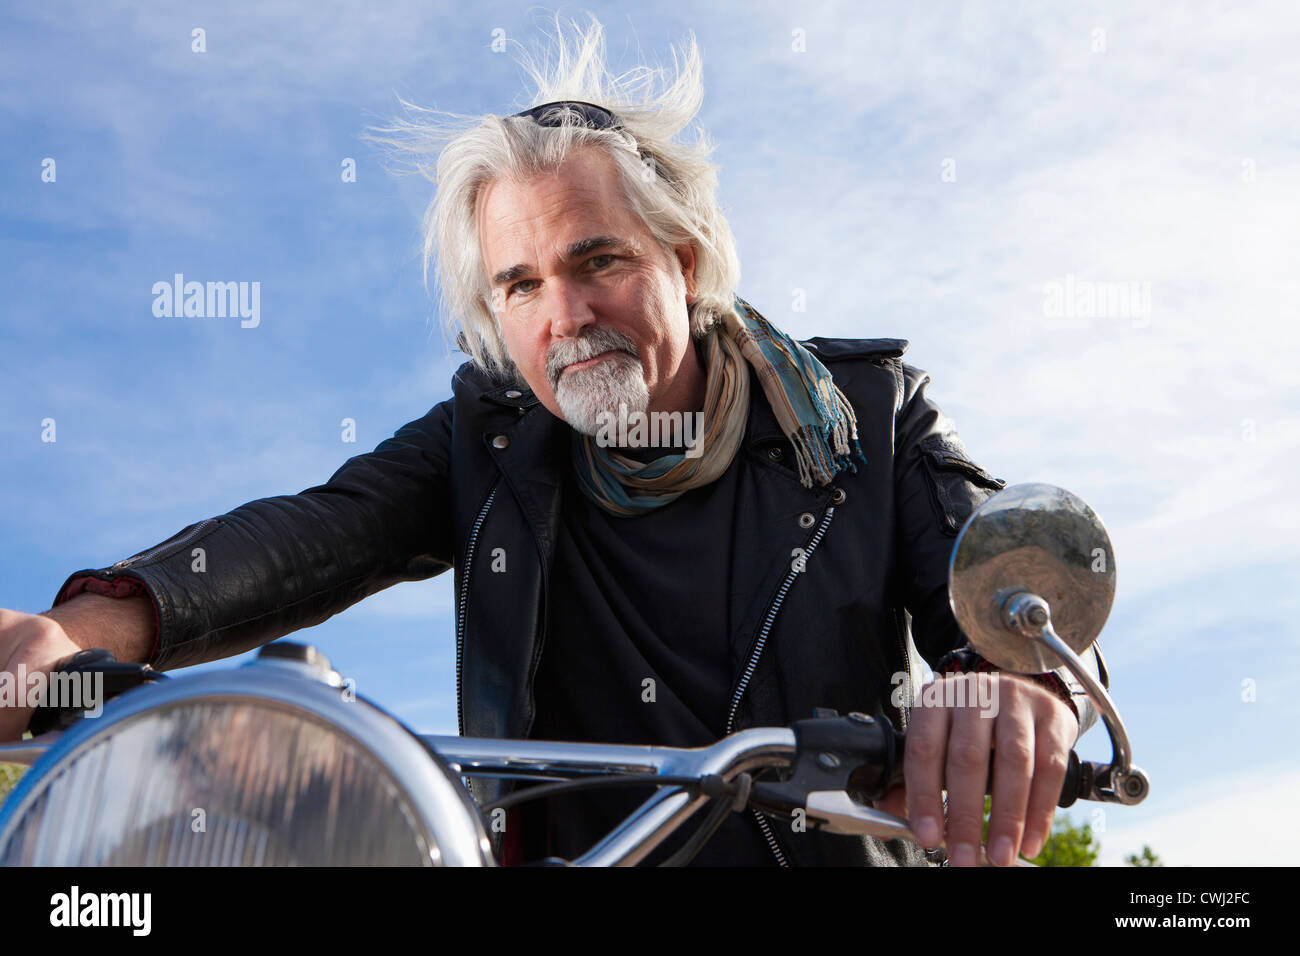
x=1030, y=731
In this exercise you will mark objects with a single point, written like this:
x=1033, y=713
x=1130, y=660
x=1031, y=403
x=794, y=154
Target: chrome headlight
x=269, y=764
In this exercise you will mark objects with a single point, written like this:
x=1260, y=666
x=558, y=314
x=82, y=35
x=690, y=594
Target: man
x=633, y=594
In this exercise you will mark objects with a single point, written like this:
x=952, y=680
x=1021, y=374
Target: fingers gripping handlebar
x=862, y=755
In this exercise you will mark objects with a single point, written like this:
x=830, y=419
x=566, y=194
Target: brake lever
x=837, y=812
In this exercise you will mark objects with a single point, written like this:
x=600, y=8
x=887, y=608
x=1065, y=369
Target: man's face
x=592, y=309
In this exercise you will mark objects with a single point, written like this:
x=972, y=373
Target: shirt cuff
x=964, y=660
x=118, y=587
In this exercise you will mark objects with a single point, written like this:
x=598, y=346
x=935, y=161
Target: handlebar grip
x=114, y=677
x=1079, y=777
x=1078, y=781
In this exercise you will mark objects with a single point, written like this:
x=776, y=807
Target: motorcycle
x=277, y=762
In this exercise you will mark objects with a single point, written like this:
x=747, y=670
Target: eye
x=593, y=261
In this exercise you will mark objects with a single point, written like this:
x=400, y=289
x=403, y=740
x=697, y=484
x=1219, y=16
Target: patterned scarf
x=812, y=411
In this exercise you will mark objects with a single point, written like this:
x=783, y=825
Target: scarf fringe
x=823, y=452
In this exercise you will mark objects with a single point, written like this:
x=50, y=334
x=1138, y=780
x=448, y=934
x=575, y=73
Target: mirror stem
x=1121, y=782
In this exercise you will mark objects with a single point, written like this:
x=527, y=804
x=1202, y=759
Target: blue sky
x=1162, y=151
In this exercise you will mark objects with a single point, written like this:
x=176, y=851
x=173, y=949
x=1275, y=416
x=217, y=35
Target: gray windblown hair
x=671, y=186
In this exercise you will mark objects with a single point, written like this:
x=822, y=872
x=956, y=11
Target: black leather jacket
x=483, y=470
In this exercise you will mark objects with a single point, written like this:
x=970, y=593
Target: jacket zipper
x=463, y=605
x=904, y=712
x=752, y=664
x=158, y=549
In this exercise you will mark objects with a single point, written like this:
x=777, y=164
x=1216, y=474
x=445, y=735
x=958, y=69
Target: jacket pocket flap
x=949, y=454
x=957, y=484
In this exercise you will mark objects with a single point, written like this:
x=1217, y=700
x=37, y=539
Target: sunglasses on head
x=593, y=116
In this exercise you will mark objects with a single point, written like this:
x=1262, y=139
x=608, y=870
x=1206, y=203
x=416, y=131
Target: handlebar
x=826, y=767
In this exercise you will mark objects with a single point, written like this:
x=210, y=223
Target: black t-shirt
x=637, y=652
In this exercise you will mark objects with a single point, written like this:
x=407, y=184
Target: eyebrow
x=576, y=250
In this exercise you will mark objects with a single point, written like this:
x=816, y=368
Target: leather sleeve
x=937, y=487
x=275, y=565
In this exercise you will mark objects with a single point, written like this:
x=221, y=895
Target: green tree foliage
x=1068, y=845
x=9, y=774
x=1148, y=858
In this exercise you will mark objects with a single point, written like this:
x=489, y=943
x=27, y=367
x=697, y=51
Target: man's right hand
x=40, y=641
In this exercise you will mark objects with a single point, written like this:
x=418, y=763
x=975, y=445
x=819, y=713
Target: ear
x=686, y=260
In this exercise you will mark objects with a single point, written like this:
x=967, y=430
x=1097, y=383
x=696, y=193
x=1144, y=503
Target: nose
x=569, y=308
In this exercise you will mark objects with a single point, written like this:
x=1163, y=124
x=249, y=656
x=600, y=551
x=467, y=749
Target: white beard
x=585, y=394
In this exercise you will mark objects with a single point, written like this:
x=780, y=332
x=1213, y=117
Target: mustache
x=592, y=342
